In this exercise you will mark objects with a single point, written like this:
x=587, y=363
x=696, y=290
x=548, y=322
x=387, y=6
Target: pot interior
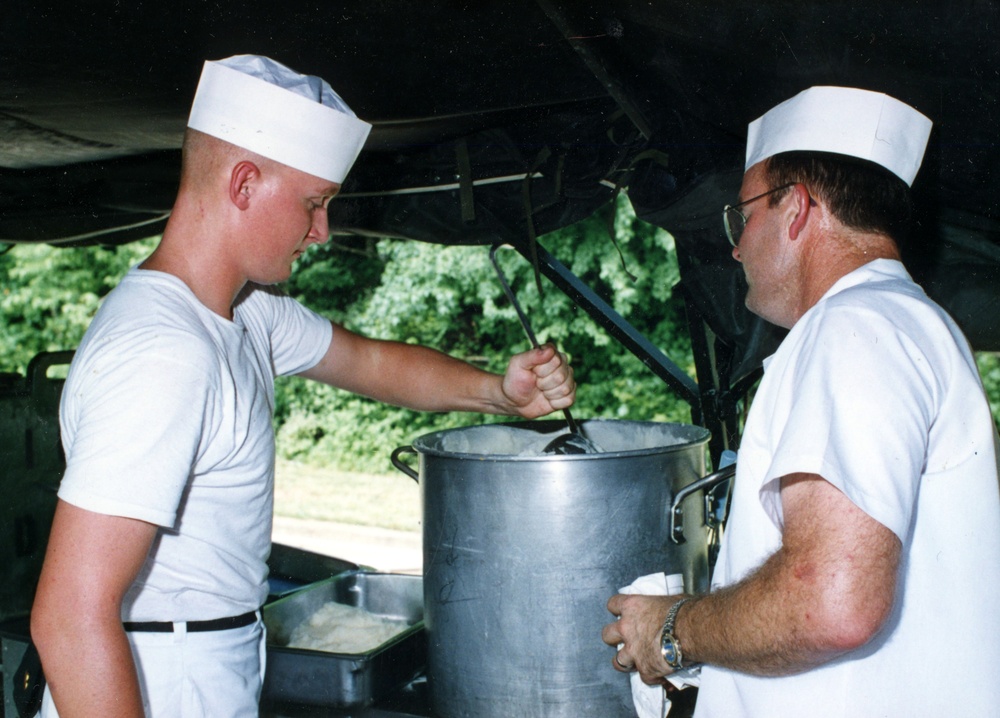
x=527, y=440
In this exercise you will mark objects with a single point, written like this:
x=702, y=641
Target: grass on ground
x=312, y=492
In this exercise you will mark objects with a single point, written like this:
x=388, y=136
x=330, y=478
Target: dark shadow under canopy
x=467, y=99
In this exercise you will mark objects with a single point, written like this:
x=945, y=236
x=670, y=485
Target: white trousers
x=210, y=674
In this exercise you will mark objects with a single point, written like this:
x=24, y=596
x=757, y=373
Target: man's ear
x=242, y=183
x=801, y=204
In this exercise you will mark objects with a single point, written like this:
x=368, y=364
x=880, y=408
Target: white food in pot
x=339, y=628
x=497, y=440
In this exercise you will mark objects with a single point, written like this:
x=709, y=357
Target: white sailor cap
x=258, y=104
x=846, y=121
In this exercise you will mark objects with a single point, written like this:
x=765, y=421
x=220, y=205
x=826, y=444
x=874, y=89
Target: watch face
x=670, y=651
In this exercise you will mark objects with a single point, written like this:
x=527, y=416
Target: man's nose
x=321, y=227
x=736, y=254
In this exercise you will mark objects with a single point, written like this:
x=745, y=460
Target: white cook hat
x=846, y=121
x=258, y=104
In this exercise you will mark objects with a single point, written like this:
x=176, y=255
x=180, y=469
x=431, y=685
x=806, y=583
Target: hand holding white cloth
x=652, y=701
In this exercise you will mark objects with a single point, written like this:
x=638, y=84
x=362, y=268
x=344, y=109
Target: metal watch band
x=668, y=625
x=670, y=647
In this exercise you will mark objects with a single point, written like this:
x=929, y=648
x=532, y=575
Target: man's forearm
x=760, y=626
x=535, y=383
x=827, y=590
x=92, y=673
x=90, y=562
x=407, y=375
x=428, y=380
x=801, y=608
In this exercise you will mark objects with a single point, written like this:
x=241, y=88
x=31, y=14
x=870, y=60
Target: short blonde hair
x=204, y=157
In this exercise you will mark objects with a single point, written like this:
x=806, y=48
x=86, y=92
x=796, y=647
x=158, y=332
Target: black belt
x=216, y=624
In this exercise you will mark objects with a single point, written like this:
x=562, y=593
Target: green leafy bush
x=49, y=295
x=445, y=297
x=450, y=298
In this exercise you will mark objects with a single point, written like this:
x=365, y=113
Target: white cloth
x=196, y=675
x=875, y=390
x=166, y=417
x=651, y=701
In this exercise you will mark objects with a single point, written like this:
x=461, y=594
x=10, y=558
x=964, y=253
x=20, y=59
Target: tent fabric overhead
x=492, y=120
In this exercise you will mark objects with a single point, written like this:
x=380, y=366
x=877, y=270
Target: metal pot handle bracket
x=706, y=483
x=402, y=465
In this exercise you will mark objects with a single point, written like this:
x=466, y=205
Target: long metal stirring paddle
x=574, y=442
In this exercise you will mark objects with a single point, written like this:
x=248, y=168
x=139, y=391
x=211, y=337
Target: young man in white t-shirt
x=156, y=566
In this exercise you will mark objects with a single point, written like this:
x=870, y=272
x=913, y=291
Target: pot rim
x=699, y=436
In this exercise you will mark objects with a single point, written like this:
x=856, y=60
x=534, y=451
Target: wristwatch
x=670, y=646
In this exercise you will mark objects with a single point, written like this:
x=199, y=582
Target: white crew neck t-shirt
x=875, y=390
x=166, y=417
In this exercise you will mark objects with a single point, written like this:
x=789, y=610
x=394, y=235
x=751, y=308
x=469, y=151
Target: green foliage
x=333, y=278
x=445, y=297
x=450, y=298
x=989, y=370
x=49, y=295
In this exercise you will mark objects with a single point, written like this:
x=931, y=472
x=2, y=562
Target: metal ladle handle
x=570, y=421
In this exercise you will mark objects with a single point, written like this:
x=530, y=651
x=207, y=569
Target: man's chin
x=754, y=306
x=273, y=278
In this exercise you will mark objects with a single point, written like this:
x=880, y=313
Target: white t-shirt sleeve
x=861, y=401
x=298, y=337
x=138, y=412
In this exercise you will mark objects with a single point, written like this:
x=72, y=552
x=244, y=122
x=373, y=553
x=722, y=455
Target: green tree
x=445, y=297
x=450, y=298
x=49, y=295
x=989, y=370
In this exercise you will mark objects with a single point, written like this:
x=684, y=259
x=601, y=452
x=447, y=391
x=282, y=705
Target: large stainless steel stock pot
x=522, y=550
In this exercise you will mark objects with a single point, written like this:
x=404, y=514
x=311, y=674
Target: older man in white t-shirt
x=857, y=576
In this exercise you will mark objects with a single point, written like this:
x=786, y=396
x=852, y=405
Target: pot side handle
x=705, y=483
x=402, y=465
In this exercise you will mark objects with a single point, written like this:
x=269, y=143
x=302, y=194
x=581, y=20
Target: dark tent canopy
x=500, y=121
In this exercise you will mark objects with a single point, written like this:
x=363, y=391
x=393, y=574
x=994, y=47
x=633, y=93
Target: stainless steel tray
x=291, y=568
x=345, y=680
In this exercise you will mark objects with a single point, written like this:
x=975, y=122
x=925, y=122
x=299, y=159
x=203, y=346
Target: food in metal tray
x=339, y=628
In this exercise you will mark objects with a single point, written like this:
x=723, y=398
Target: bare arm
x=536, y=383
x=825, y=592
x=76, y=624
